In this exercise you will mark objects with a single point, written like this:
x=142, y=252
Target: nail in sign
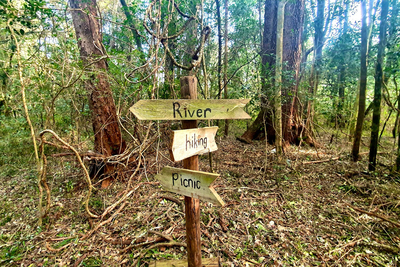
x=191, y=142
x=190, y=183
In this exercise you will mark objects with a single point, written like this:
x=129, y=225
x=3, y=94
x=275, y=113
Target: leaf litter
x=277, y=213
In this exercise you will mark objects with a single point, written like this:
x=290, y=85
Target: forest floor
x=301, y=211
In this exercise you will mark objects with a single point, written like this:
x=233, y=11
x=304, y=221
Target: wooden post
x=192, y=205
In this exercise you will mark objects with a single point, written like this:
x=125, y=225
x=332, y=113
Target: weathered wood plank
x=190, y=183
x=190, y=109
x=214, y=262
x=191, y=142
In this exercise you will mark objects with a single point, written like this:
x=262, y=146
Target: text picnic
x=199, y=112
x=194, y=143
x=185, y=182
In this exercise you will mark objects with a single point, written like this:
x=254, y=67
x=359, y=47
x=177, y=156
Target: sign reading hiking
x=190, y=183
x=191, y=142
x=190, y=109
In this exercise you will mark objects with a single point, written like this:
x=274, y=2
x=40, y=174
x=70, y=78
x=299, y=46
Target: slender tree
x=226, y=63
x=132, y=25
x=376, y=117
x=319, y=36
x=219, y=67
x=278, y=77
x=363, y=82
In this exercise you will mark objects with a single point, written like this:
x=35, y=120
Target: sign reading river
x=190, y=109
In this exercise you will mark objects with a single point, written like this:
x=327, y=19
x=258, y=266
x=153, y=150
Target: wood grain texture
x=195, y=184
x=190, y=109
x=192, y=205
x=191, y=142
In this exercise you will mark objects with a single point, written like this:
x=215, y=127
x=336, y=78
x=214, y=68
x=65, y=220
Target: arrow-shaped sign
x=189, y=183
x=191, y=142
x=189, y=109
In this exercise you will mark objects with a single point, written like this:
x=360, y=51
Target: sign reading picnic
x=186, y=145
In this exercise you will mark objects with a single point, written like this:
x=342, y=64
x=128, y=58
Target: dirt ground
x=301, y=211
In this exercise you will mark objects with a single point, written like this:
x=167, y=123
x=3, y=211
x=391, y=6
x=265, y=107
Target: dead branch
x=321, y=161
x=384, y=218
x=222, y=221
x=166, y=237
x=80, y=162
x=92, y=155
x=78, y=261
x=49, y=248
x=175, y=200
x=104, y=222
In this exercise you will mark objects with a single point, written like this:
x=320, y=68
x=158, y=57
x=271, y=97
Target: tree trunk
x=376, y=117
x=293, y=28
x=132, y=25
x=107, y=135
x=363, y=82
x=267, y=61
x=342, y=69
x=226, y=64
x=292, y=125
x=278, y=77
x=316, y=66
x=219, y=67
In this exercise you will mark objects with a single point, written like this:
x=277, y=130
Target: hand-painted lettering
x=174, y=178
x=185, y=182
x=197, y=113
x=205, y=112
x=175, y=107
x=194, y=142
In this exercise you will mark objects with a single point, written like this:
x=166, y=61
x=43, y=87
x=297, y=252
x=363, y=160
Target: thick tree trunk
x=363, y=82
x=268, y=45
x=293, y=27
x=108, y=139
x=292, y=126
x=376, y=117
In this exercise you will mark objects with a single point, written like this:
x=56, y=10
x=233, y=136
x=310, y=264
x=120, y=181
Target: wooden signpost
x=186, y=145
x=191, y=142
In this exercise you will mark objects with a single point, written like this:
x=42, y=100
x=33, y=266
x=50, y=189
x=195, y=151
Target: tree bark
x=293, y=27
x=363, y=82
x=376, y=117
x=192, y=205
x=107, y=135
x=292, y=125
